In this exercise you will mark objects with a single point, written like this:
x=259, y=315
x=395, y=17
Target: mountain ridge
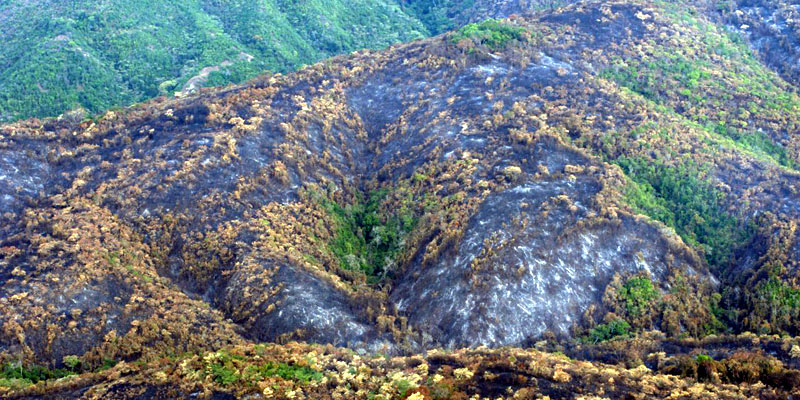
x=557, y=185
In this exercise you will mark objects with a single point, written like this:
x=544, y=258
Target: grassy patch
x=229, y=369
x=292, y=372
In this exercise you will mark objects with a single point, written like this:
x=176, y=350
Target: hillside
x=771, y=27
x=95, y=54
x=613, y=181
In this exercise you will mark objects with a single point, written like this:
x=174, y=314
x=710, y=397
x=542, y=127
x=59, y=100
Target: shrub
x=701, y=358
x=614, y=329
x=71, y=362
x=293, y=372
x=637, y=293
x=777, y=301
x=223, y=374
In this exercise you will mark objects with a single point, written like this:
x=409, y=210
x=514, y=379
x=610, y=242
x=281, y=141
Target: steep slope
x=94, y=54
x=570, y=175
x=771, y=27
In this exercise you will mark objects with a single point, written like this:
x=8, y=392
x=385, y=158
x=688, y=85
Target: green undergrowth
x=681, y=198
x=779, y=294
x=757, y=143
x=777, y=302
x=638, y=293
x=368, y=238
x=18, y=375
x=228, y=369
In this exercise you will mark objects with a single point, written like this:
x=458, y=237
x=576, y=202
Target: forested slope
x=95, y=54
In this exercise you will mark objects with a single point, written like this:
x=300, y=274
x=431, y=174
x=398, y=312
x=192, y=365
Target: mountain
x=441, y=16
x=95, y=54
x=92, y=55
x=615, y=181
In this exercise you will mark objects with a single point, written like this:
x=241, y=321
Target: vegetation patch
x=682, y=199
x=17, y=375
x=490, y=33
x=638, y=293
x=97, y=56
x=757, y=142
x=226, y=369
x=778, y=301
x=434, y=14
x=739, y=368
x=367, y=239
x=690, y=84
x=615, y=329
